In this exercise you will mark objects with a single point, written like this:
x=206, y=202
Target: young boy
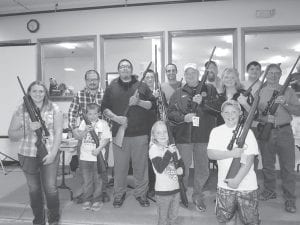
x=239, y=194
x=88, y=156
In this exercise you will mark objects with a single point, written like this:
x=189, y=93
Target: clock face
x=33, y=25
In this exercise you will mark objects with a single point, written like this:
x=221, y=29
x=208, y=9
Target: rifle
x=163, y=116
x=40, y=142
x=118, y=140
x=101, y=163
x=240, y=141
x=264, y=132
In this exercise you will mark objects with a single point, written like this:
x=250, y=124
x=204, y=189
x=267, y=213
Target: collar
x=127, y=85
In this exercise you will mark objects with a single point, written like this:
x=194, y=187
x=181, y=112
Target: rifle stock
x=118, y=140
x=40, y=145
x=264, y=132
x=101, y=164
x=236, y=162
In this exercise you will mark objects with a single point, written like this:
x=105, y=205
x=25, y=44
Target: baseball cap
x=190, y=65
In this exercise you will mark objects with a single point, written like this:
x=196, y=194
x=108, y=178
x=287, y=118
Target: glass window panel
x=139, y=50
x=197, y=49
x=273, y=47
x=67, y=63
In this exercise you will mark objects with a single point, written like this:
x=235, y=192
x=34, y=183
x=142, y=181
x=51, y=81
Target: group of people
x=201, y=117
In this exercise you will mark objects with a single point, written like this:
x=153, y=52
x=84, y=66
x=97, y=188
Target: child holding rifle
x=166, y=184
x=238, y=195
x=88, y=156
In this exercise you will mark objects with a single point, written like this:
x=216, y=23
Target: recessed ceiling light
x=68, y=45
x=69, y=69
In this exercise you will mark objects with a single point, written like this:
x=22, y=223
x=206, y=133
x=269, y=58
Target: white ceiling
x=30, y=6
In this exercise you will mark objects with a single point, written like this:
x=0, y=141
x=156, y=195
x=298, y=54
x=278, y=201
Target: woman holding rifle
x=40, y=173
x=232, y=88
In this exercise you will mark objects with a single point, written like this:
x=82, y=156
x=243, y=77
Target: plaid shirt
x=79, y=103
x=27, y=146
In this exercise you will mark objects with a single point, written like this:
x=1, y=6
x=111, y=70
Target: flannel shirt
x=79, y=103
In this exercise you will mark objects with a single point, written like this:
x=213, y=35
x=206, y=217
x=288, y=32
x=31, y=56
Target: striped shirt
x=27, y=146
x=79, y=103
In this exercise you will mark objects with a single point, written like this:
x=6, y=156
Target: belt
x=281, y=126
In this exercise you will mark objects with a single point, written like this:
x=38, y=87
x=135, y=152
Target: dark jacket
x=116, y=98
x=181, y=104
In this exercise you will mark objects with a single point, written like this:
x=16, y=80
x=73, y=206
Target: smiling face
x=37, y=93
x=149, y=80
x=92, y=81
x=92, y=114
x=254, y=72
x=191, y=76
x=125, y=71
x=171, y=72
x=160, y=134
x=229, y=79
x=230, y=114
x=273, y=75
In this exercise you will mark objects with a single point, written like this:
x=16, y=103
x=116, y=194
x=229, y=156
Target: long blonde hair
x=238, y=84
x=153, y=129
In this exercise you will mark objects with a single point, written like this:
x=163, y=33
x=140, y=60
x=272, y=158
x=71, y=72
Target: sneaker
x=105, y=197
x=266, y=195
x=86, y=205
x=118, y=201
x=200, y=206
x=144, y=202
x=290, y=206
x=96, y=206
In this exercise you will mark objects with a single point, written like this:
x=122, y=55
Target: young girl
x=166, y=185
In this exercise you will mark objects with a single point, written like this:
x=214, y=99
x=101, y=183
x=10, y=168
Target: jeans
x=136, y=149
x=282, y=143
x=198, y=152
x=168, y=206
x=91, y=181
x=43, y=182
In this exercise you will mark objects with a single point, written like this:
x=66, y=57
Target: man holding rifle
x=193, y=123
x=90, y=94
x=128, y=108
x=281, y=140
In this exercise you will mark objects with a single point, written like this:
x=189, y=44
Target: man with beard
x=169, y=87
x=121, y=93
x=90, y=94
x=212, y=78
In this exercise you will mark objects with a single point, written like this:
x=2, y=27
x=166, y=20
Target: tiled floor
x=15, y=210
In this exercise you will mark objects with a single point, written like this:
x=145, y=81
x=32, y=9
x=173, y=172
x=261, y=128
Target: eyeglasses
x=274, y=73
x=171, y=70
x=92, y=80
x=125, y=67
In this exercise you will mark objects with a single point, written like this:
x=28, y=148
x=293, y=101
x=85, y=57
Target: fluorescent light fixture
x=68, y=45
x=69, y=69
x=220, y=52
x=275, y=59
x=227, y=39
x=297, y=48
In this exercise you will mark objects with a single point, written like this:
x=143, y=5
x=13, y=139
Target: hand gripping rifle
x=121, y=131
x=240, y=141
x=101, y=163
x=30, y=108
x=271, y=108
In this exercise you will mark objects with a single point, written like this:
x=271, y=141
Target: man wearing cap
x=172, y=84
x=193, y=122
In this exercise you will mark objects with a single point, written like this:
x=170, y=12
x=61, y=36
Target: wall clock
x=33, y=25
